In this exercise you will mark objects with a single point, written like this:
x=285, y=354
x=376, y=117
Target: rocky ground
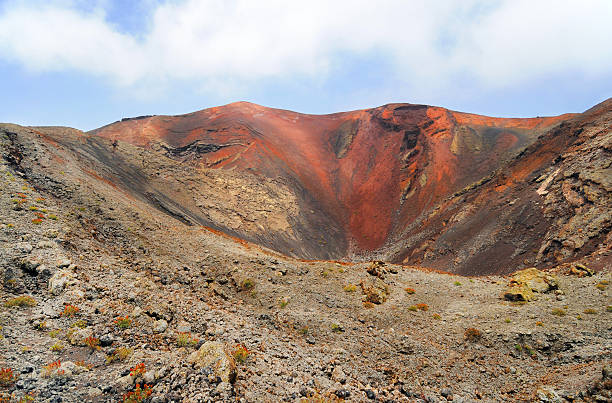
x=102, y=296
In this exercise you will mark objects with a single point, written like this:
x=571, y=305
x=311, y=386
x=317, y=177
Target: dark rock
x=446, y=392
x=370, y=394
x=342, y=393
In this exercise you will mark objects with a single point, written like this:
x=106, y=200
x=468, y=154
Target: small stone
x=45, y=245
x=149, y=377
x=370, y=394
x=58, y=281
x=213, y=354
x=63, y=263
x=338, y=375
x=160, y=326
x=23, y=247
x=106, y=340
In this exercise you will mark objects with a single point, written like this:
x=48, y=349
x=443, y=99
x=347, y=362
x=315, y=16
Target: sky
x=87, y=63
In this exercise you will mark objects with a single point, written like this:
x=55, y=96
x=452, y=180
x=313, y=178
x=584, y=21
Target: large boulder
x=214, y=355
x=525, y=284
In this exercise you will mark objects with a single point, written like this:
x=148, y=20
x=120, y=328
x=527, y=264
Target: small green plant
x=53, y=333
x=284, y=302
x=57, y=347
x=185, y=339
x=120, y=354
x=7, y=377
x=436, y=316
x=558, y=312
x=37, y=221
x=81, y=324
x=457, y=283
x=413, y=308
x=539, y=323
x=609, y=308
x=70, y=311
x=336, y=328
x=123, y=322
x=530, y=350
x=240, y=353
x=350, y=288
x=247, y=284
x=42, y=326
x=138, y=395
x=422, y=307
x=472, y=334
x=20, y=302
x=304, y=330
x=33, y=208
x=602, y=285
x=507, y=320
x=518, y=347
x=52, y=217
x=92, y=342
x=410, y=291
x=325, y=274
x=590, y=311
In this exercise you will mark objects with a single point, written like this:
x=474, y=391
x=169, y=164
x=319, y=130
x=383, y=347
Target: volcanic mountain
x=402, y=182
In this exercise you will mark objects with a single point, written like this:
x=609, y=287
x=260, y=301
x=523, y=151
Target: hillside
x=227, y=255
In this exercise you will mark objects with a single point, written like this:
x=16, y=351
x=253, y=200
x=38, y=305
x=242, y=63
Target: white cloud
x=426, y=43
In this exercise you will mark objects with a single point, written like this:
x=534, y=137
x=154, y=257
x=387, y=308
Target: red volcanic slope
x=374, y=171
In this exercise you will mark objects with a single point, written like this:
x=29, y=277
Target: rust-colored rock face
x=365, y=175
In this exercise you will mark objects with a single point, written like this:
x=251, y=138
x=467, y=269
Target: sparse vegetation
x=457, y=283
x=120, y=354
x=590, y=311
x=602, y=285
x=57, y=347
x=139, y=369
x=558, y=312
x=472, y=334
x=185, y=339
x=336, y=328
x=123, y=322
x=410, y=291
x=7, y=377
x=240, y=353
x=20, y=302
x=69, y=311
x=247, y=284
x=350, y=288
x=52, y=369
x=138, y=395
x=81, y=324
x=92, y=342
x=436, y=316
